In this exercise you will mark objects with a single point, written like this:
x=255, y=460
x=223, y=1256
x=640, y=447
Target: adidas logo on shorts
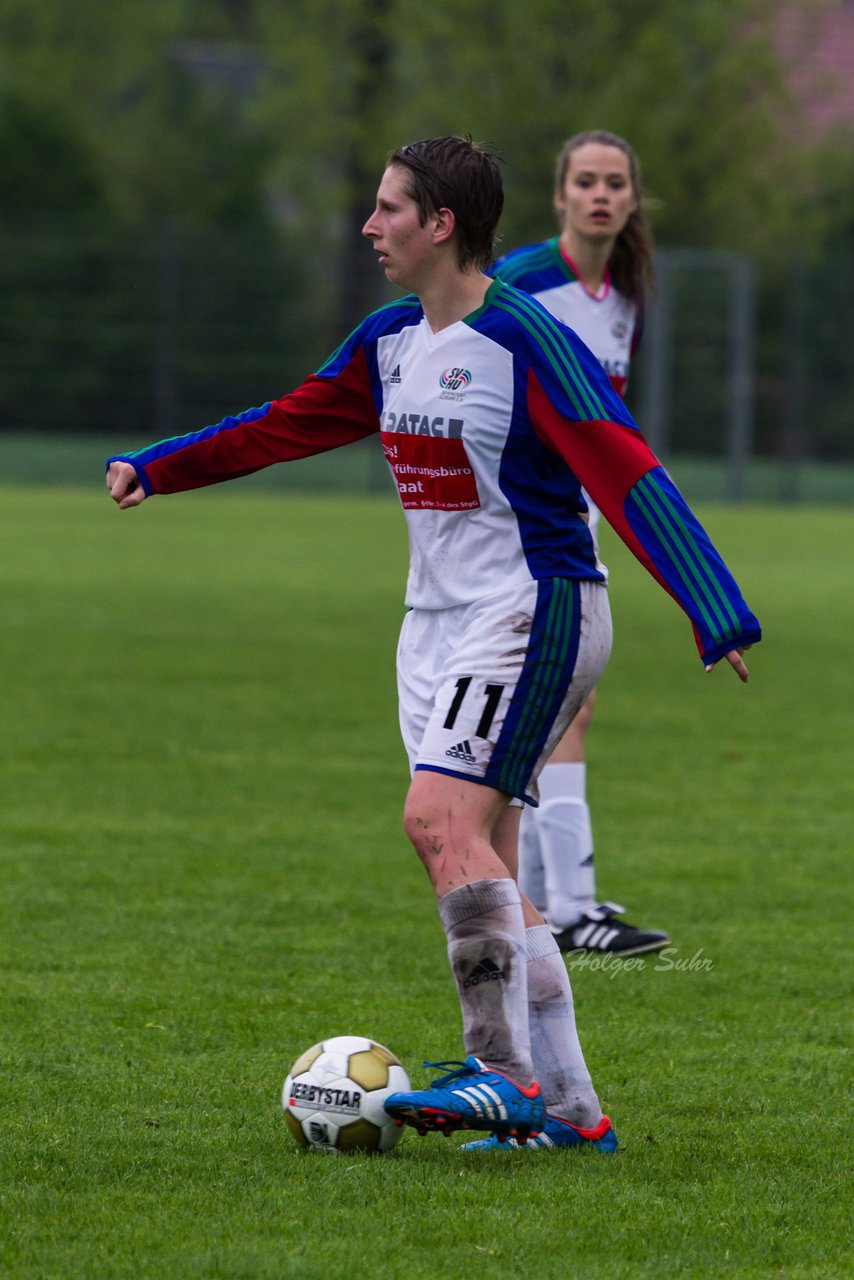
x=462, y=751
x=484, y=971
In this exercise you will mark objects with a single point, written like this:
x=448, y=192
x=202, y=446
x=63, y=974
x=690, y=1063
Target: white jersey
x=606, y=321
x=448, y=410
x=490, y=427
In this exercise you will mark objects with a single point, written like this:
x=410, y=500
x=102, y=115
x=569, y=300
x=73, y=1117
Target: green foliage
x=209, y=111
x=829, y=177
x=270, y=122
x=697, y=88
x=204, y=872
x=171, y=132
x=48, y=166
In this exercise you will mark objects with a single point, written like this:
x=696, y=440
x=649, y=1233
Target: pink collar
x=604, y=289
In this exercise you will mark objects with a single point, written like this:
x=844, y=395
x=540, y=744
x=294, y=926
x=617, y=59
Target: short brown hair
x=457, y=174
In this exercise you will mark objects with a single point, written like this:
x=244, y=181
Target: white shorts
x=488, y=689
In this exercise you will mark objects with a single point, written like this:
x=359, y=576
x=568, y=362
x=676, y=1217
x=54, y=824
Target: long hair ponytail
x=631, y=260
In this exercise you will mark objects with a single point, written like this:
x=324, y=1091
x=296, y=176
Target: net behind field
x=744, y=383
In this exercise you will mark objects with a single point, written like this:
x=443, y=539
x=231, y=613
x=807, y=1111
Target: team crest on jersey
x=454, y=383
x=619, y=329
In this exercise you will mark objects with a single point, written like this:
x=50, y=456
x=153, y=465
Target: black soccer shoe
x=599, y=932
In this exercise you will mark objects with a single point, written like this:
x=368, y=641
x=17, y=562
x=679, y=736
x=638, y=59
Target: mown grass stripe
x=236, y=921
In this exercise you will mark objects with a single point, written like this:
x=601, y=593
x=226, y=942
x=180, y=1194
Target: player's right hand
x=123, y=484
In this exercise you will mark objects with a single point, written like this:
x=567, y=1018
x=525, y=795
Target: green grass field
x=204, y=872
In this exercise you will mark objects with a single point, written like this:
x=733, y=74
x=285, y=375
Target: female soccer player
x=491, y=415
x=593, y=276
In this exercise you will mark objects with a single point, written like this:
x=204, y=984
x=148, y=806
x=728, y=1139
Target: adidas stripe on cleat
x=600, y=932
x=556, y=1133
x=471, y=1097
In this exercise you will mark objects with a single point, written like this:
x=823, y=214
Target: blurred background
x=184, y=184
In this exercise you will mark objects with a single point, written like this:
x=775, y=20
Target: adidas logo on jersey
x=462, y=751
x=484, y=971
x=394, y=376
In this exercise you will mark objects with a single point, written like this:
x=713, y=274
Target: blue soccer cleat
x=471, y=1097
x=557, y=1133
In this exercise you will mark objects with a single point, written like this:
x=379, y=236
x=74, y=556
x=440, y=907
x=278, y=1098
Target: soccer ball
x=334, y=1093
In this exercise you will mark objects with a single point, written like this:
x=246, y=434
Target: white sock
x=486, y=946
x=559, y=1064
x=565, y=840
x=532, y=873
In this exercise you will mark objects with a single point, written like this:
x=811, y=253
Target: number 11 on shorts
x=492, y=697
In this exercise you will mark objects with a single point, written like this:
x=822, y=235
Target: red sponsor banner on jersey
x=431, y=472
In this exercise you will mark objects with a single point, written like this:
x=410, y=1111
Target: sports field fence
x=744, y=384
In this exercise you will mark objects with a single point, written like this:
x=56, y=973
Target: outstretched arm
x=639, y=500
x=322, y=413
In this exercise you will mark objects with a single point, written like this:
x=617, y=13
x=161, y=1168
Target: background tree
x=697, y=88
x=235, y=110
x=213, y=127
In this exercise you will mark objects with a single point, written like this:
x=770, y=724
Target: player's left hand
x=737, y=663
